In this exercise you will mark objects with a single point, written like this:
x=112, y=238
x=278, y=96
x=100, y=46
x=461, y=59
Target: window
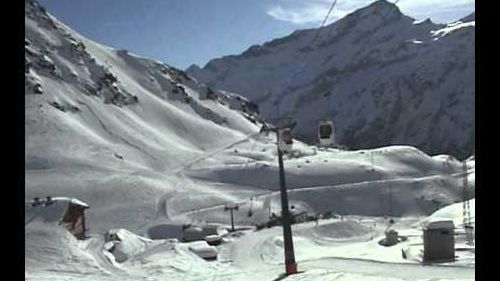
x=325, y=131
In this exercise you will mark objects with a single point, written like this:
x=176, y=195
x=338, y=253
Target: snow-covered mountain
x=96, y=116
x=148, y=148
x=116, y=130
x=381, y=76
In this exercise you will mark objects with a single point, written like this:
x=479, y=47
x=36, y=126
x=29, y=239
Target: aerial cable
x=317, y=36
x=329, y=11
x=324, y=20
x=277, y=101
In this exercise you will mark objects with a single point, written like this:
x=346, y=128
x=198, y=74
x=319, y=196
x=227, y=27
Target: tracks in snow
x=319, y=187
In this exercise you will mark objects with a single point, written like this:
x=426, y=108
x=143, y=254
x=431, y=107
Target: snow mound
x=124, y=244
x=49, y=247
x=453, y=212
x=342, y=230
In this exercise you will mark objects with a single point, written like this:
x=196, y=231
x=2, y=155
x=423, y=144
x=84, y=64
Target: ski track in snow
x=338, y=186
x=115, y=136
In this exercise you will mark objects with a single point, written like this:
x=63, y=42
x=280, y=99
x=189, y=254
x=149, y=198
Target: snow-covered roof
x=212, y=238
x=201, y=246
x=71, y=200
x=440, y=224
x=192, y=229
x=62, y=199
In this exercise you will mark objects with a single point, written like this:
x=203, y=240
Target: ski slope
x=146, y=148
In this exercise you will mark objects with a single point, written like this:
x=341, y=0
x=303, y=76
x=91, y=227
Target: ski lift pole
x=250, y=212
x=231, y=208
x=290, y=264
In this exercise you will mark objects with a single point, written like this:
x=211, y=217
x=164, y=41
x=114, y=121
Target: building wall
x=439, y=244
x=74, y=220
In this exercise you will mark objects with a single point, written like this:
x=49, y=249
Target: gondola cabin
x=325, y=133
x=285, y=140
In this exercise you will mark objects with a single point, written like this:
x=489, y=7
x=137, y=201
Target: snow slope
x=89, y=138
x=382, y=77
x=149, y=148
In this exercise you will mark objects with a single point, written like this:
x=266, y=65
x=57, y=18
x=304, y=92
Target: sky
x=185, y=32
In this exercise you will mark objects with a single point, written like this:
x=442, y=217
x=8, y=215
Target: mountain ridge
x=364, y=54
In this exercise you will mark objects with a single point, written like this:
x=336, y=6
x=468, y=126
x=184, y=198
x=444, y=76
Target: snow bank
x=453, y=212
x=126, y=244
x=52, y=248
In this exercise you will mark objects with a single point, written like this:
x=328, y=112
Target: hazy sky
x=183, y=32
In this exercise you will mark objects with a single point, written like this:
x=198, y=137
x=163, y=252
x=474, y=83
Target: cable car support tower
x=466, y=206
x=284, y=141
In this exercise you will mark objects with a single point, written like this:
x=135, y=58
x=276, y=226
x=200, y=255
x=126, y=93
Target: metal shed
x=439, y=241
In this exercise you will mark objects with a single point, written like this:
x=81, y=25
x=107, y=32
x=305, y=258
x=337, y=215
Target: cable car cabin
x=325, y=133
x=285, y=140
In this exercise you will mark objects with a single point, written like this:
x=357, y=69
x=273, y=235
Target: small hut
x=439, y=241
x=67, y=212
x=74, y=218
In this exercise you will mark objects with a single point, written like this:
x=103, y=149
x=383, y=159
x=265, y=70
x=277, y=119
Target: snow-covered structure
x=123, y=244
x=203, y=250
x=213, y=240
x=194, y=233
x=67, y=212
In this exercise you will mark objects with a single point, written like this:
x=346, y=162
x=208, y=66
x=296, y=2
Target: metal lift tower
x=290, y=264
x=466, y=206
